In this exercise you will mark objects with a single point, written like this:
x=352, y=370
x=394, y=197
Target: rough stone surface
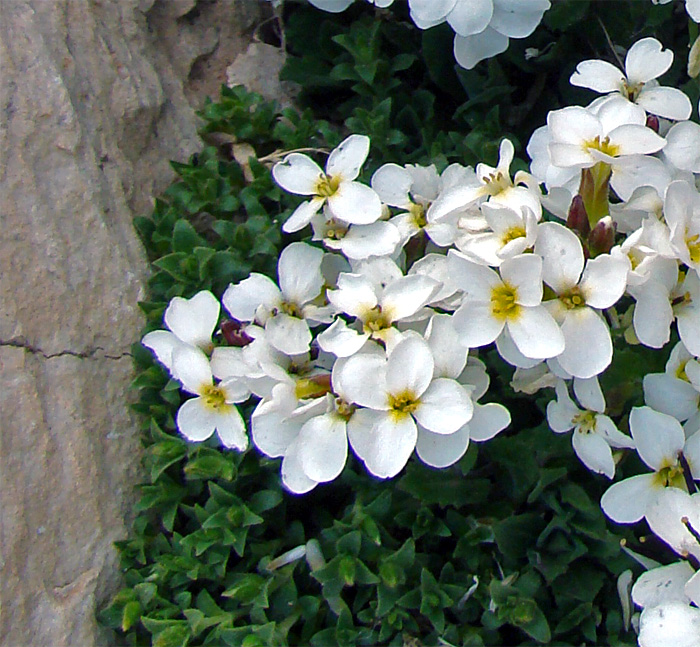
x=258, y=68
x=96, y=98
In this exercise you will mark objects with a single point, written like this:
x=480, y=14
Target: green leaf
x=514, y=535
x=130, y=615
x=529, y=617
x=185, y=238
x=209, y=465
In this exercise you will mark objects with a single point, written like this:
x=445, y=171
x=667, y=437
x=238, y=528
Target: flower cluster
x=368, y=340
x=483, y=28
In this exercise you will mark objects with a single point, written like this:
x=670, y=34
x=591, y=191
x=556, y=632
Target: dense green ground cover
x=509, y=546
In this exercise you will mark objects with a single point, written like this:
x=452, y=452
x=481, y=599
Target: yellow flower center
x=585, y=422
x=376, y=321
x=214, y=398
x=292, y=309
x=327, y=186
x=417, y=212
x=693, y=243
x=604, y=146
x=503, y=302
x=403, y=404
x=512, y=234
x=670, y=476
x=573, y=298
x=632, y=90
x=344, y=409
x=497, y=182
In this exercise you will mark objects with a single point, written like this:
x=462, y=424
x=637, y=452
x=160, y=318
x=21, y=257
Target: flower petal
x=293, y=476
x=298, y=174
x=193, y=320
x=191, y=367
x=536, y=334
x=410, y=367
x=626, y=501
x=231, y=429
x=588, y=350
x=287, y=334
x=355, y=203
x=487, y=421
x=299, y=270
x=594, y=452
x=323, y=447
x=244, y=298
x=348, y=157
x=469, y=50
x=647, y=60
x=442, y=450
x=195, y=421
x=670, y=103
x=390, y=446
x=597, y=75
x=444, y=407
x=658, y=437
x=471, y=17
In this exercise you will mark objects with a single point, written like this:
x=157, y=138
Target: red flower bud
x=234, y=333
x=577, y=219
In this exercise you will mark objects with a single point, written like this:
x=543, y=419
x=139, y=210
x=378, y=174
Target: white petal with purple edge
x=487, y=421
x=195, y=421
x=626, y=501
x=440, y=450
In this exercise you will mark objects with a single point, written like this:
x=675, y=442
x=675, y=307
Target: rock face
x=96, y=98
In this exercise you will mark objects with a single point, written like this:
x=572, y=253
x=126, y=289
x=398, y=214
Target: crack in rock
x=89, y=353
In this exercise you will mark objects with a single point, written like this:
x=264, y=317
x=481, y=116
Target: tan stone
x=94, y=98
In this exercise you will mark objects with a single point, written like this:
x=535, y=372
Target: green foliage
x=507, y=547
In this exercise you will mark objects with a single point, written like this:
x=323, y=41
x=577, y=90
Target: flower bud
x=577, y=219
x=653, y=123
x=234, y=333
x=602, y=238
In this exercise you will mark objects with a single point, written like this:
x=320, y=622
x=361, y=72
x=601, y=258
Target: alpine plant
x=367, y=341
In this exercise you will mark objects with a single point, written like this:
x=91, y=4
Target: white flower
x=377, y=307
x=356, y=242
x=493, y=184
x=659, y=439
x=615, y=135
x=414, y=189
x=284, y=310
x=213, y=408
x=482, y=26
x=582, y=288
x=347, y=200
x=513, y=300
x=594, y=433
x=646, y=60
x=451, y=361
x=398, y=393
x=511, y=234
x=191, y=322
x=672, y=392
